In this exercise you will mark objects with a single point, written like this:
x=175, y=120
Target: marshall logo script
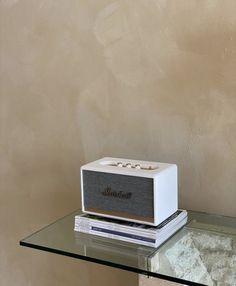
x=109, y=193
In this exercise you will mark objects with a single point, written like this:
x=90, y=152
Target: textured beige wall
x=145, y=79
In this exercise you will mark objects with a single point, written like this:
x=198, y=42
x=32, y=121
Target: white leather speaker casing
x=132, y=190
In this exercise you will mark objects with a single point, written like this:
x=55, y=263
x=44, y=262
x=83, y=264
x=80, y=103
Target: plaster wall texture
x=79, y=80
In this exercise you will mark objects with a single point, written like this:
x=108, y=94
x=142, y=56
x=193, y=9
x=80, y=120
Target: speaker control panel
x=130, y=165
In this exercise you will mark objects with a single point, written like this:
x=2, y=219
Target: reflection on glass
x=200, y=255
x=204, y=251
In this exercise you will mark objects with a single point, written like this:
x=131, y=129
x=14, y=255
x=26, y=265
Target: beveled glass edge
x=147, y=273
x=111, y=264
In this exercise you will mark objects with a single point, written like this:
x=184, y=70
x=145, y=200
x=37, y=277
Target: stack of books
x=133, y=232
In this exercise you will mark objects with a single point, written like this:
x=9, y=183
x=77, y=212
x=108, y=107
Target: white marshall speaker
x=131, y=190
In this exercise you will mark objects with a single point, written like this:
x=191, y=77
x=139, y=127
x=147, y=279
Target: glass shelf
x=202, y=253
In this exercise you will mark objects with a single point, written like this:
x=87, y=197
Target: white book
x=129, y=237
x=85, y=220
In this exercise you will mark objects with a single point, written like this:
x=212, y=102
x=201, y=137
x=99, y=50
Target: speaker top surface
x=128, y=167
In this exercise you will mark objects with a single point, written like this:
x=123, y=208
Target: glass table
x=203, y=252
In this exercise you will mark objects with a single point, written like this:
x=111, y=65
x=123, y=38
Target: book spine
x=133, y=231
x=115, y=225
x=87, y=229
x=113, y=236
x=130, y=235
x=115, y=228
x=118, y=227
x=153, y=233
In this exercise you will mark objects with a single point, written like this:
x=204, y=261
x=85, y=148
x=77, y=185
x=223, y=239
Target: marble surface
x=205, y=258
